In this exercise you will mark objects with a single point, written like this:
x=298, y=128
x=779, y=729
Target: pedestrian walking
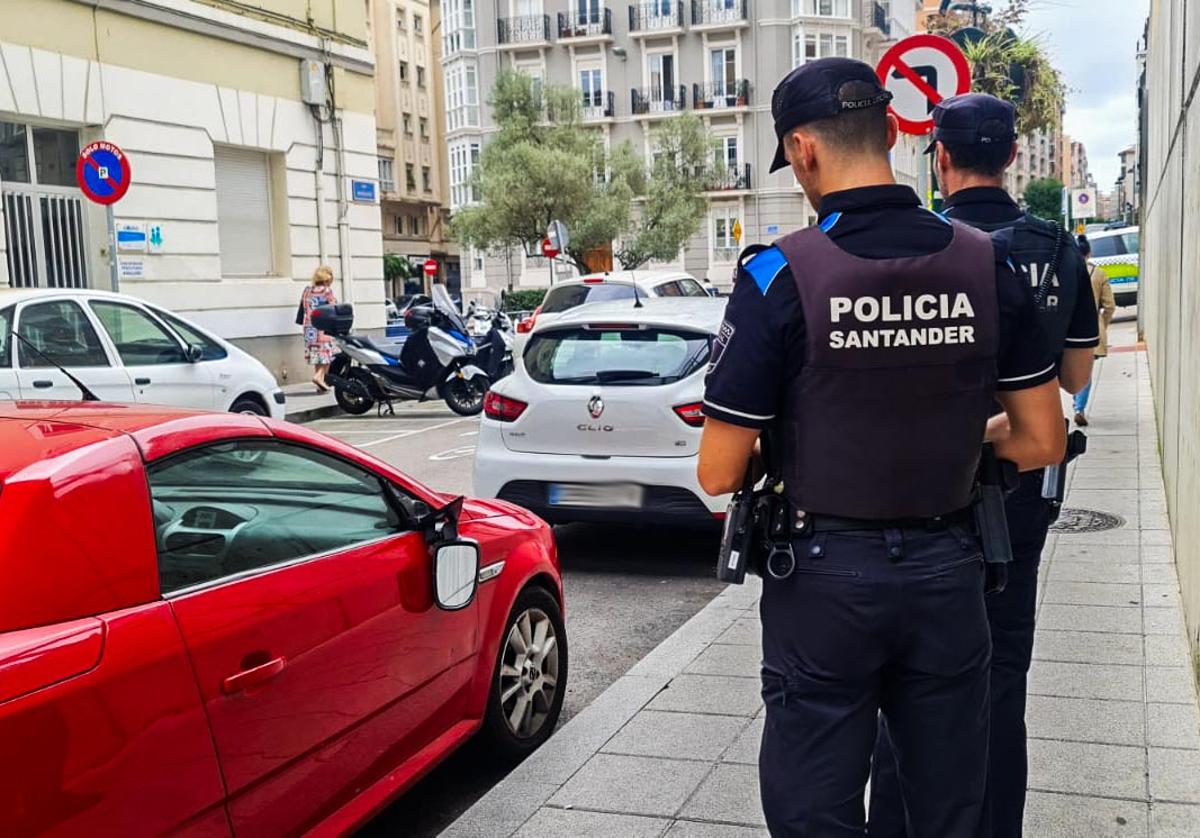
x=319, y=348
x=1107, y=305
x=867, y=352
x=974, y=142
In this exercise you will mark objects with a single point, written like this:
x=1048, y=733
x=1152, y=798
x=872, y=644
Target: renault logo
x=596, y=407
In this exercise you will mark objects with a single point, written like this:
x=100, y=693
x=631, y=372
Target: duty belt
x=805, y=523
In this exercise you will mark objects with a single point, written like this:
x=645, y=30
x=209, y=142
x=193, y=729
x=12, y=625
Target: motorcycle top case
x=336, y=319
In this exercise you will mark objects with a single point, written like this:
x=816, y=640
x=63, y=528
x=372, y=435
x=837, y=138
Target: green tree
x=1043, y=198
x=545, y=164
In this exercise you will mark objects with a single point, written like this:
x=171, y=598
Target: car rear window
x=615, y=355
x=1107, y=246
x=568, y=296
x=6, y=319
x=1131, y=242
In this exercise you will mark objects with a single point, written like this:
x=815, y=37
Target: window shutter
x=243, y=212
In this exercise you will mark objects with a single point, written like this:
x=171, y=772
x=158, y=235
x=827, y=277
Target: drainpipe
x=344, y=254
x=319, y=181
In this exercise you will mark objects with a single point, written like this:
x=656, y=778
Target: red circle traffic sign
x=102, y=172
x=430, y=267
x=920, y=72
x=549, y=250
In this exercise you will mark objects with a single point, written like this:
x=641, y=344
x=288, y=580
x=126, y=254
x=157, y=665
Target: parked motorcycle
x=436, y=361
x=493, y=333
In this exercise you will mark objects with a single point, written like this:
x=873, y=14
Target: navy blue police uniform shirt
x=991, y=205
x=760, y=347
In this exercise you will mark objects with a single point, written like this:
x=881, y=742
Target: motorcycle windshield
x=444, y=304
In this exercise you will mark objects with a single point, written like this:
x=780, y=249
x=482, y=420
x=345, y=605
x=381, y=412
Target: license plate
x=611, y=495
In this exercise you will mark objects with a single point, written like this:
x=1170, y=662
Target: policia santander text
x=871, y=348
x=974, y=139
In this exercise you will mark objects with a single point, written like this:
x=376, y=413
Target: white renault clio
x=601, y=421
x=123, y=350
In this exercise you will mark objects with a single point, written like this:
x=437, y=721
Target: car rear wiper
x=614, y=376
x=88, y=395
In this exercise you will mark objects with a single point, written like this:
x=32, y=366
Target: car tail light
x=691, y=413
x=526, y=325
x=501, y=408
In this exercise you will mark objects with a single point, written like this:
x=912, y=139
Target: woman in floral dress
x=319, y=348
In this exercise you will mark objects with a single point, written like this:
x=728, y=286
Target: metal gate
x=46, y=237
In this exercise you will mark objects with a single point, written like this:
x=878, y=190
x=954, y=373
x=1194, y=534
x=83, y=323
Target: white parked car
x=602, y=421
x=621, y=285
x=123, y=350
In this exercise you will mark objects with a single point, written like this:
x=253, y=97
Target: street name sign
x=103, y=173
x=920, y=71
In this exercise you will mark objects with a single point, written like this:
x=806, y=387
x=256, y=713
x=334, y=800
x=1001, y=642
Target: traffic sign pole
x=113, y=277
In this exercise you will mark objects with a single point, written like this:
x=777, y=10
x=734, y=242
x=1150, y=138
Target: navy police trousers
x=889, y=622
x=1011, y=622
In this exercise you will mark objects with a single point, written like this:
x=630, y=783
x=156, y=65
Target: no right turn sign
x=920, y=72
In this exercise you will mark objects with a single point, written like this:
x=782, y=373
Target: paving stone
x=1106, y=538
x=1175, y=775
x=1167, y=650
x=1093, y=593
x=697, y=829
x=676, y=735
x=1105, y=478
x=1163, y=621
x=730, y=795
x=633, y=785
x=1156, y=538
x=745, y=632
x=1173, y=726
x=1174, y=820
x=1160, y=596
x=718, y=694
x=1068, y=816
x=1087, y=768
x=1123, y=502
x=1171, y=684
x=1070, y=549
x=1088, y=647
x=1064, y=570
x=580, y=824
x=745, y=747
x=1086, y=720
x=1086, y=680
x=1160, y=574
x=1105, y=618
x=1152, y=554
x=741, y=661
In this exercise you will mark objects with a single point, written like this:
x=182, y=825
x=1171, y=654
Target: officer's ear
x=800, y=150
x=893, y=130
x=1012, y=155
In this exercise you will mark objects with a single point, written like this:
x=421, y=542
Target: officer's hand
x=998, y=428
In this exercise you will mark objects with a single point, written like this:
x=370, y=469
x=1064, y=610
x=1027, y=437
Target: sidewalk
x=304, y=403
x=671, y=748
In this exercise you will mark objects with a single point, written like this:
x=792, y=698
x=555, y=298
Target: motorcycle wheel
x=355, y=396
x=465, y=395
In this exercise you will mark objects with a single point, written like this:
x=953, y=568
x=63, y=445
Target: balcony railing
x=525, y=29
x=651, y=100
x=599, y=104
x=728, y=179
x=721, y=94
x=717, y=12
x=590, y=24
x=874, y=14
x=649, y=17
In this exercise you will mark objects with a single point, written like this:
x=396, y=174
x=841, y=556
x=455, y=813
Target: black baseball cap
x=972, y=119
x=812, y=91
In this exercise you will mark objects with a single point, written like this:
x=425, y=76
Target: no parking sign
x=920, y=72
x=103, y=172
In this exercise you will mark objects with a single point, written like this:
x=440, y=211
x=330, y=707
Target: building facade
x=1039, y=156
x=411, y=131
x=636, y=65
x=241, y=187
x=1128, y=185
x=1075, y=164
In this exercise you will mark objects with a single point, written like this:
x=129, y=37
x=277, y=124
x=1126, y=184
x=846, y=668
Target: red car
x=222, y=624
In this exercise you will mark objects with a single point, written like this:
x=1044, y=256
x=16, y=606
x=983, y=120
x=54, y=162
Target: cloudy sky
x=1094, y=44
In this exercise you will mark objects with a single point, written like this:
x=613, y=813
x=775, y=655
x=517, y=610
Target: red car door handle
x=250, y=678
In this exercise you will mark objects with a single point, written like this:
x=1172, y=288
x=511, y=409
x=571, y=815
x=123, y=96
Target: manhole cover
x=1086, y=520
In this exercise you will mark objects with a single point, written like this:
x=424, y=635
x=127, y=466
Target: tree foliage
x=544, y=164
x=1043, y=198
x=1004, y=54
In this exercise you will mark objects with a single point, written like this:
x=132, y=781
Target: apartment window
x=410, y=177
x=398, y=224
x=723, y=66
x=426, y=180
x=407, y=120
x=424, y=124
x=404, y=71
x=458, y=25
x=244, y=211
x=387, y=175
x=418, y=25
x=821, y=8
x=462, y=96
x=464, y=159
x=727, y=152
x=725, y=245
x=809, y=45
x=401, y=20
x=420, y=76
x=592, y=85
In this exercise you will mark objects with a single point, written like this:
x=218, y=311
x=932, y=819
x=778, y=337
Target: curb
x=515, y=799
x=311, y=414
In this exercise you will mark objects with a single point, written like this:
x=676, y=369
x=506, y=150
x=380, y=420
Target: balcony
x=721, y=95
x=875, y=16
x=719, y=14
x=656, y=101
x=524, y=30
x=728, y=179
x=598, y=106
x=593, y=25
x=664, y=17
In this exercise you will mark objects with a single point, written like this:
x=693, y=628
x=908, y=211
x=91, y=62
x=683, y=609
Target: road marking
x=453, y=453
x=470, y=433
x=404, y=434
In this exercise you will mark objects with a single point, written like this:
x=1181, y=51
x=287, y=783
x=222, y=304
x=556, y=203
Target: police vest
x=1033, y=246
x=886, y=418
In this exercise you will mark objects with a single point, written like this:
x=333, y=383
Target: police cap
x=812, y=91
x=972, y=119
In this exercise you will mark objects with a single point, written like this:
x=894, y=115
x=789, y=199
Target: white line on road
x=404, y=434
x=470, y=433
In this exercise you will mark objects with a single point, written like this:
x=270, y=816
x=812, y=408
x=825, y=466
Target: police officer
x=974, y=140
x=870, y=348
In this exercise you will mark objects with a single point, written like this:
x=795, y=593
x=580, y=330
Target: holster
x=996, y=479
x=1054, y=484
